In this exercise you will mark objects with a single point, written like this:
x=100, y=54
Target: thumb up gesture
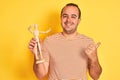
x=91, y=51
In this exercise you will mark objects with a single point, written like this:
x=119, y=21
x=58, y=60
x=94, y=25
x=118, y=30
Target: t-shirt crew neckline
x=75, y=37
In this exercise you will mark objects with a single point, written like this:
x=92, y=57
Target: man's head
x=74, y=5
x=70, y=18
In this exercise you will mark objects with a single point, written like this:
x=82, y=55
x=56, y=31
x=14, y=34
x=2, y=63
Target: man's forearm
x=94, y=69
x=40, y=69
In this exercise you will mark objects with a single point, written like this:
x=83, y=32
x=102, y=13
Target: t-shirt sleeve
x=88, y=42
x=45, y=51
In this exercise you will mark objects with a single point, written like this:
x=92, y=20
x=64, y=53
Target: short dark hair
x=75, y=5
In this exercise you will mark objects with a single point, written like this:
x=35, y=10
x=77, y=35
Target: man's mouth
x=68, y=24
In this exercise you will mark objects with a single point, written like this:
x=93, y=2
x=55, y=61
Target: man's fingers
x=98, y=44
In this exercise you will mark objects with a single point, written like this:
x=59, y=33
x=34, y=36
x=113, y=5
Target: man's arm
x=93, y=64
x=94, y=69
x=40, y=69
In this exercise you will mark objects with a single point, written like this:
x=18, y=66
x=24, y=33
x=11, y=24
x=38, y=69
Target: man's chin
x=69, y=32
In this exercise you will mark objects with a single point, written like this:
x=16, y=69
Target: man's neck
x=69, y=36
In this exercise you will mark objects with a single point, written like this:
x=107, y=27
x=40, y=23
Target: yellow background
x=100, y=20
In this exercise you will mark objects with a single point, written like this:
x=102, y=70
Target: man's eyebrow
x=64, y=14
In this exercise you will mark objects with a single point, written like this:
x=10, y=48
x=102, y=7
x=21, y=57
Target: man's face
x=69, y=19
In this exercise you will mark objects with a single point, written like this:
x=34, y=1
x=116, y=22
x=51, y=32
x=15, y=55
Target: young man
x=68, y=55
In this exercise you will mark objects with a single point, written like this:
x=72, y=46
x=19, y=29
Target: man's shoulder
x=82, y=36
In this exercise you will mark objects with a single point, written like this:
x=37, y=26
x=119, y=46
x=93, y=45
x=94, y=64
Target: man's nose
x=68, y=19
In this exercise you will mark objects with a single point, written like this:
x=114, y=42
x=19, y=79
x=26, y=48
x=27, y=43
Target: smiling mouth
x=68, y=24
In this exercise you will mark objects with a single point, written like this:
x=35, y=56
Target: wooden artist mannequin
x=36, y=32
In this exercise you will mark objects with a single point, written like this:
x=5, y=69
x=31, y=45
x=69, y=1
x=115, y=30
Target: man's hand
x=91, y=51
x=33, y=45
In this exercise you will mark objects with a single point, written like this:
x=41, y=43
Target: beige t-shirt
x=66, y=57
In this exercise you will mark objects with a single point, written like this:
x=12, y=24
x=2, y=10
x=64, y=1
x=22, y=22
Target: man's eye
x=64, y=16
x=74, y=17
